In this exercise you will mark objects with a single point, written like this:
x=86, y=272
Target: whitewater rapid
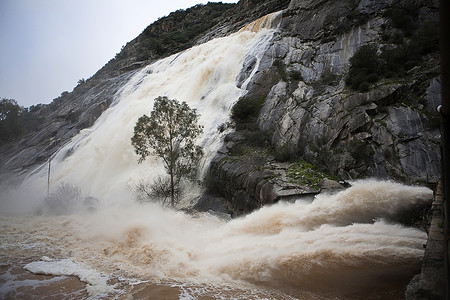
x=335, y=246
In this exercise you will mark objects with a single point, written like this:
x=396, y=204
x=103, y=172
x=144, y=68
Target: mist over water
x=336, y=246
x=341, y=246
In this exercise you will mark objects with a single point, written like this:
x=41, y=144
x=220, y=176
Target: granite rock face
x=390, y=131
x=247, y=182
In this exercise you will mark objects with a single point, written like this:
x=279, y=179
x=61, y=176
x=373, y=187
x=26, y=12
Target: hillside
x=73, y=111
x=315, y=98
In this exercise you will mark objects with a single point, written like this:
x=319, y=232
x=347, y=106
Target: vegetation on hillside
x=306, y=174
x=405, y=44
x=15, y=120
x=175, y=32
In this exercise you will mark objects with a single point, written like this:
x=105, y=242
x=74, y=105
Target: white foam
x=97, y=283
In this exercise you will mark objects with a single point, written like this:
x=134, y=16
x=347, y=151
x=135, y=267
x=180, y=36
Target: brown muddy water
x=336, y=247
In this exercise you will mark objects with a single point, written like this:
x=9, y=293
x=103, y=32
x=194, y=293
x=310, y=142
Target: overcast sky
x=46, y=46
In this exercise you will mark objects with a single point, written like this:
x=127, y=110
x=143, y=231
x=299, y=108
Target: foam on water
x=335, y=244
x=97, y=283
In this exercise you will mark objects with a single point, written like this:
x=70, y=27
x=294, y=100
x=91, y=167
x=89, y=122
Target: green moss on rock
x=305, y=174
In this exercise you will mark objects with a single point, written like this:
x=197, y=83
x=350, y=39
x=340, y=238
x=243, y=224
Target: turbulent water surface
x=336, y=247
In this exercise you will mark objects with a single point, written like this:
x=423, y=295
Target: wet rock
x=251, y=181
x=215, y=203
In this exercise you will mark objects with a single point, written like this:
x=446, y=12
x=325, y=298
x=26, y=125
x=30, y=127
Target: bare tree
x=64, y=199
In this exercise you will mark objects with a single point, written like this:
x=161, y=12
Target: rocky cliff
x=304, y=109
x=307, y=122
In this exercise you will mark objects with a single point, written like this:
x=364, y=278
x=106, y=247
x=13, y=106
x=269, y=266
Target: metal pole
x=48, y=176
x=445, y=131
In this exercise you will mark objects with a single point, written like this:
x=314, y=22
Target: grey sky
x=46, y=46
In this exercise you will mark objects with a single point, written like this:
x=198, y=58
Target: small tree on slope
x=169, y=133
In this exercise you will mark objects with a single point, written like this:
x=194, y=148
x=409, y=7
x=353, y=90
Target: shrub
x=305, y=174
x=372, y=78
x=426, y=38
x=176, y=32
x=12, y=122
x=385, y=36
x=403, y=17
x=281, y=69
x=365, y=67
x=390, y=74
x=157, y=191
x=395, y=58
x=247, y=109
x=365, y=58
x=355, y=79
x=398, y=38
x=65, y=199
x=296, y=75
x=328, y=77
x=364, y=87
x=257, y=138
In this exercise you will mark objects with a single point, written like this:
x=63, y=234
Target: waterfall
x=100, y=160
x=339, y=246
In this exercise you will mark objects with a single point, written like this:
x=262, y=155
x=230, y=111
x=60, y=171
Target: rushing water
x=336, y=247
x=101, y=159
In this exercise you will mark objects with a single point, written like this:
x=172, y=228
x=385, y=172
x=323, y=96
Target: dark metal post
x=48, y=176
x=445, y=130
